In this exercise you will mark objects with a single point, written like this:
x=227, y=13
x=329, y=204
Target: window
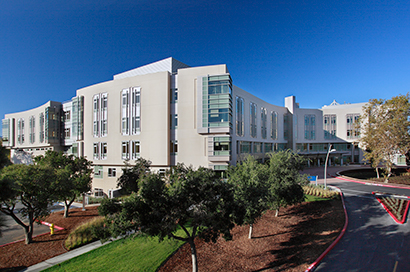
x=274, y=125
x=222, y=146
x=131, y=111
x=67, y=133
x=239, y=116
x=174, y=96
x=268, y=147
x=252, y=118
x=32, y=129
x=67, y=116
x=310, y=127
x=103, y=151
x=245, y=147
x=104, y=115
x=41, y=118
x=351, y=126
x=217, y=101
x=135, y=149
x=174, y=147
x=100, y=115
x=257, y=147
x=98, y=172
x=263, y=122
x=20, y=131
x=112, y=172
x=125, y=112
x=136, y=110
x=96, y=151
x=329, y=126
x=96, y=115
x=174, y=121
x=125, y=150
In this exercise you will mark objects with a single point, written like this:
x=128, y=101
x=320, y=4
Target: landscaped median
x=396, y=206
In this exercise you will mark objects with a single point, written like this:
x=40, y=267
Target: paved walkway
x=63, y=257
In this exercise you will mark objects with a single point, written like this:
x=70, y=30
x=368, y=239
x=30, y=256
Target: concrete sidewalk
x=65, y=256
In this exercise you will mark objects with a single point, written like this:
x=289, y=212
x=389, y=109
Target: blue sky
x=321, y=50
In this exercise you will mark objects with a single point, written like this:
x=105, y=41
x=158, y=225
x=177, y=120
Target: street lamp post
x=330, y=150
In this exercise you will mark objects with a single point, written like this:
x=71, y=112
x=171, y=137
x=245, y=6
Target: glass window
x=239, y=116
x=174, y=147
x=96, y=151
x=222, y=146
x=252, y=118
x=274, y=125
x=245, y=147
x=135, y=150
x=125, y=112
x=104, y=151
x=264, y=114
x=125, y=150
x=257, y=147
x=310, y=127
x=112, y=172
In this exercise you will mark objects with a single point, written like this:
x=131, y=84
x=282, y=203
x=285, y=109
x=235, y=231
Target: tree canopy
x=250, y=187
x=197, y=201
x=73, y=176
x=285, y=180
x=4, y=156
x=128, y=181
x=384, y=128
x=26, y=186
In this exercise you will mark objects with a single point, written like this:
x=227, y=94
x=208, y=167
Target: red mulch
x=290, y=242
x=15, y=257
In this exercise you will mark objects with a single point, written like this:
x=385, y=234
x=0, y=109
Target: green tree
x=249, y=183
x=385, y=134
x=26, y=185
x=285, y=180
x=4, y=156
x=197, y=201
x=128, y=181
x=73, y=176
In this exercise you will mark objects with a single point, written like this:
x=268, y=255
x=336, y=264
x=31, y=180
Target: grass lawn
x=129, y=254
x=310, y=198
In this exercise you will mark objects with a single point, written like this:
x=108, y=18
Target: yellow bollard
x=52, y=229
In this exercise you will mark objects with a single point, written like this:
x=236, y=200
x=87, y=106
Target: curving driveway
x=373, y=240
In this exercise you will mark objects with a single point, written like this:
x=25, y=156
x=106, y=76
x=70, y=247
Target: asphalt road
x=373, y=240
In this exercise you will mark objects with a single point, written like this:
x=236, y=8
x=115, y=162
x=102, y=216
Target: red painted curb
x=391, y=214
x=374, y=184
x=313, y=266
x=42, y=222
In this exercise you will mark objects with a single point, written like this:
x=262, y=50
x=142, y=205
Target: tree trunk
x=277, y=212
x=193, y=254
x=388, y=175
x=67, y=206
x=377, y=171
x=250, y=231
x=28, y=230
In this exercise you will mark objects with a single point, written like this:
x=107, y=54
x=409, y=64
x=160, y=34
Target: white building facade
x=168, y=112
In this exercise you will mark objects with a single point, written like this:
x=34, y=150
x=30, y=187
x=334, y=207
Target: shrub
x=83, y=234
x=320, y=191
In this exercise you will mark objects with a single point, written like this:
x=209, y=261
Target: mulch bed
x=290, y=242
x=15, y=257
